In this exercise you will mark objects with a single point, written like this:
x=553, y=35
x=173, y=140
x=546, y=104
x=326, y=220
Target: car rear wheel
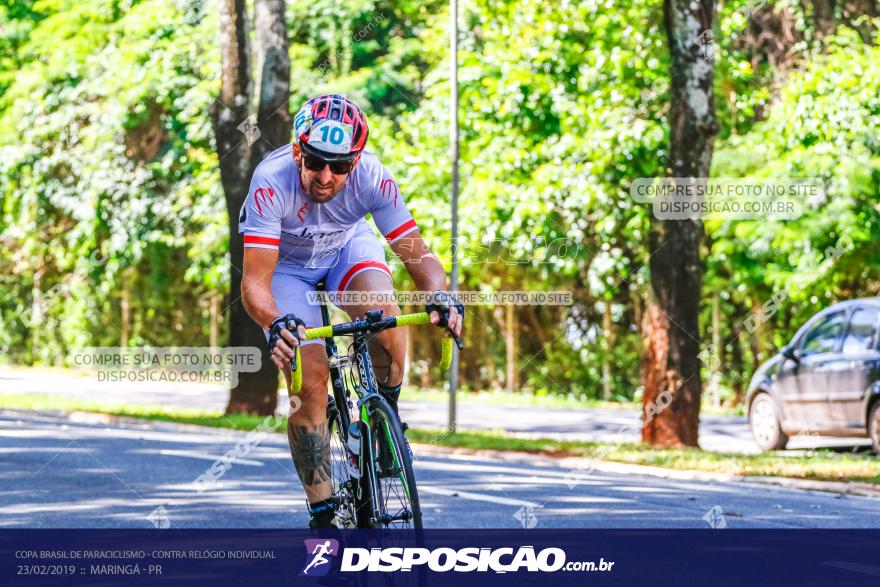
x=874, y=427
x=765, y=425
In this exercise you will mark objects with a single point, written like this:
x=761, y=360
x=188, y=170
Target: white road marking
x=477, y=496
x=207, y=457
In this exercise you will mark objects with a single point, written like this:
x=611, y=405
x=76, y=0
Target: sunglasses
x=313, y=163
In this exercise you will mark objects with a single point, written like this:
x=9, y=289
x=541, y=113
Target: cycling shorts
x=291, y=285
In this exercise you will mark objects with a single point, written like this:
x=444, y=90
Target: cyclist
x=303, y=223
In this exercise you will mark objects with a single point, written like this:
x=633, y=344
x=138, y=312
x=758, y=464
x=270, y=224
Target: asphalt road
x=718, y=433
x=58, y=473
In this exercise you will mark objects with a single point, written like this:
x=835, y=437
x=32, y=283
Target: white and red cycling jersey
x=277, y=213
x=329, y=242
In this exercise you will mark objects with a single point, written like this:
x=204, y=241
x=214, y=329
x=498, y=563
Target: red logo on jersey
x=264, y=194
x=302, y=211
x=389, y=190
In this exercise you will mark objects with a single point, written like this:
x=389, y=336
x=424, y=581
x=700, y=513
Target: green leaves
x=823, y=126
x=108, y=169
x=109, y=179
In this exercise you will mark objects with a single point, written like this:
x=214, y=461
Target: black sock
x=322, y=509
x=391, y=395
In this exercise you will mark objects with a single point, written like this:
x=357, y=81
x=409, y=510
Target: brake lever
x=444, y=323
x=457, y=340
x=293, y=328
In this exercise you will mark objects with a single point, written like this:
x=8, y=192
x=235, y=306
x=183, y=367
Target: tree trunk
x=214, y=309
x=737, y=366
x=823, y=17
x=856, y=14
x=757, y=340
x=241, y=145
x=859, y=15
x=472, y=368
x=273, y=113
x=718, y=355
x=512, y=337
x=672, y=368
x=607, y=382
x=125, y=304
x=716, y=332
x=511, y=344
x=492, y=383
x=36, y=313
x=637, y=309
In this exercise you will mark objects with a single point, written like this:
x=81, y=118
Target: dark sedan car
x=825, y=382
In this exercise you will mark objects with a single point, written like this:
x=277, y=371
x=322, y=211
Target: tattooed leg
x=307, y=426
x=310, y=449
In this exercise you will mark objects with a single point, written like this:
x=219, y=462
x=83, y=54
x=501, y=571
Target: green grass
x=506, y=398
x=525, y=399
x=822, y=465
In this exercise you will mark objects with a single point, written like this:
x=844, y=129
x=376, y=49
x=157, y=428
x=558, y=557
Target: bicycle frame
x=364, y=365
x=366, y=388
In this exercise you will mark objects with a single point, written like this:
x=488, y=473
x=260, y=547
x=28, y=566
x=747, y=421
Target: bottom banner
x=439, y=557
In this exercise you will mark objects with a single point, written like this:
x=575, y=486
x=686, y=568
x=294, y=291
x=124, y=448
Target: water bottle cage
x=353, y=450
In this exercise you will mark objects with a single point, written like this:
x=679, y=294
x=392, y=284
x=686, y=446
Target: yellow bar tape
x=320, y=332
x=446, y=353
x=446, y=342
x=402, y=320
x=296, y=375
x=413, y=319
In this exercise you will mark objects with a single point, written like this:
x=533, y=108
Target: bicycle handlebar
x=445, y=342
x=364, y=325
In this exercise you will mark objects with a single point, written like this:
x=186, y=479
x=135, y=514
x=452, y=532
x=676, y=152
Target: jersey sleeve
x=392, y=217
x=261, y=213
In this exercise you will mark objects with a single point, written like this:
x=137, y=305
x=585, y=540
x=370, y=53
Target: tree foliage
x=110, y=191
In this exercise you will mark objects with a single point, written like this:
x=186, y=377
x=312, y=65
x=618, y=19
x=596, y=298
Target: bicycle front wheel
x=394, y=487
x=343, y=487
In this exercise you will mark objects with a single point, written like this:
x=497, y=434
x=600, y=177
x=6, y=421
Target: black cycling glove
x=289, y=323
x=441, y=302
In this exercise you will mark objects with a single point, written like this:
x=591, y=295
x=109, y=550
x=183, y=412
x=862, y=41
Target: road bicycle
x=371, y=463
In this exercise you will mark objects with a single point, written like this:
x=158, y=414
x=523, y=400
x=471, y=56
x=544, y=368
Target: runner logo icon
x=318, y=553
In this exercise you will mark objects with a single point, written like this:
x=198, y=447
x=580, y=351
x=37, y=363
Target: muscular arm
x=256, y=295
x=256, y=285
x=422, y=265
x=426, y=271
